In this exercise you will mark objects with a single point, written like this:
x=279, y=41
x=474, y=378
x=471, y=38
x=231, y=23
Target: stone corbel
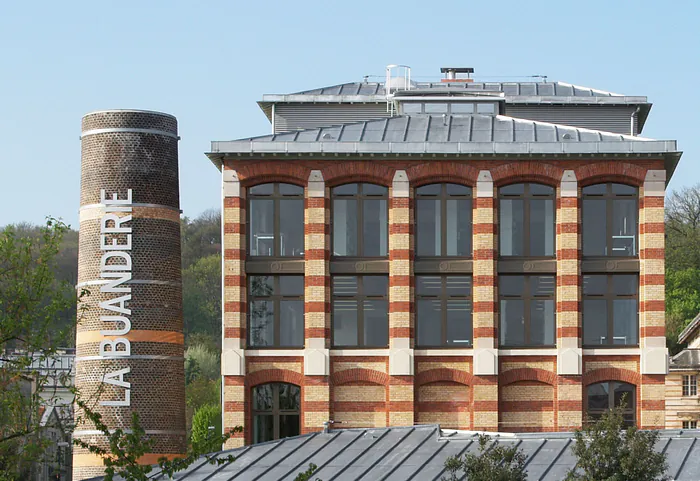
x=317, y=186
x=654, y=358
x=230, y=185
x=655, y=183
x=317, y=359
x=569, y=184
x=232, y=358
x=400, y=358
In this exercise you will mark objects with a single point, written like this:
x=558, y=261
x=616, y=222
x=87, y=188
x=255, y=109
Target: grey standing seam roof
x=412, y=453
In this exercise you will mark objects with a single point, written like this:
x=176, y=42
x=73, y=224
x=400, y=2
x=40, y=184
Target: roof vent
x=451, y=74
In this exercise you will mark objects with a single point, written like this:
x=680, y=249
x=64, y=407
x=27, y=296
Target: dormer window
x=449, y=108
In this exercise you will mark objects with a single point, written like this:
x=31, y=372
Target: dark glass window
x=527, y=310
x=444, y=311
x=275, y=411
x=606, y=395
x=526, y=223
x=360, y=311
x=276, y=311
x=610, y=310
x=276, y=220
x=444, y=220
x=610, y=220
x=360, y=220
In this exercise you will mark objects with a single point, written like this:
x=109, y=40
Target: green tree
x=682, y=303
x=200, y=237
x=205, y=436
x=201, y=285
x=607, y=451
x=496, y=462
x=31, y=301
x=683, y=229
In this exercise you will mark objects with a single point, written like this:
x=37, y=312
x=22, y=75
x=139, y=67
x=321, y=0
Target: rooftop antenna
x=541, y=77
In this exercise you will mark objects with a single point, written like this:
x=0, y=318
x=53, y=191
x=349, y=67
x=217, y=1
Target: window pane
x=375, y=285
x=599, y=396
x=376, y=323
x=428, y=285
x=291, y=189
x=292, y=285
x=458, y=286
x=595, y=322
x=411, y=108
x=622, y=189
x=430, y=189
x=345, y=227
x=291, y=227
x=625, y=284
x=542, y=286
x=624, y=229
x=457, y=189
x=512, y=323
x=459, y=323
x=262, y=227
x=261, y=286
x=289, y=397
x=597, y=189
x=262, y=323
x=595, y=285
x=429, y=227
x=291, y=323
x=347, y=189
x=429, y=322
x=375, y=228
x=623, y=391
x=594, y=227
x=485, y=108
x=345, y=322
x=262, y=189
x=435, y=108
x=512, y=240
x=289, y=425
x=541, y=323
x=462, y=108
x=262, y=398
x=625, y=321
x=511, y=285
x=513, y=189
x=344, y=285
x=541, y=227
x=374, y=189
x=263, y=428
x=540, y=189
x=459, y=231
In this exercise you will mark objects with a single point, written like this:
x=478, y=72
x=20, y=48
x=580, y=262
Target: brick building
x=486, y=256
x=682, y=401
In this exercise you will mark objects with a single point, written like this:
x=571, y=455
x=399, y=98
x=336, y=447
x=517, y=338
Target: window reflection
x=360, y=311
x=276, y=311
x=606, y=395
x=526, y=220
x=527, y=310
x=610, y=310
x=276, y=411
x=444, y=311
x=360, y=220
x=276, y=220
x=610, y=220
x=444, y=220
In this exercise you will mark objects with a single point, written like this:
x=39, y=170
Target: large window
x=276, y=220
x=360, y=311
x=444, y=220
x=690, y=385
x=610, y=220
x=444, y=311
x=275, y=411
x=526, y=220
x=610, y=310
x=276, y=311
x=527, y=310
x=360, y=220
x=606, y=395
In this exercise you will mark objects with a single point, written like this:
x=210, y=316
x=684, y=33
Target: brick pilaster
x=234, y=304
x=316, y=390
x=401, y=397
x=652, y=321
x=485, y=388
x=569, y=353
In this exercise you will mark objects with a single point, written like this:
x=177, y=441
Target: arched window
x=606, y=395
x=610, y=220
x=360, y=220
x=444, y=220
x=526, y=220
x=276, y=409
x=276, y=220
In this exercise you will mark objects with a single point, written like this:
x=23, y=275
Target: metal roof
x=412, y=453
x=686, y=359
x=689, y=330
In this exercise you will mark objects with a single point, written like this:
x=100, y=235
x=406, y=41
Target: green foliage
x=31, y=301
x=198, y=393
x=206, y=360
x=606, y=451
x=683, y=229
x=202, y=438
x=682, y=302
x=201, y=284
x=201, y=237
x=306, y=475
x=495, y=462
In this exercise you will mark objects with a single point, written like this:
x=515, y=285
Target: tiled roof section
x=412, y=453
x=456, y=128
x=545, y=89
x=686, y=359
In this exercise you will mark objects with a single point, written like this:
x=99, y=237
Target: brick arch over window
x=438, y=172
x=518, y=172
x=265, y=172
x=442, y=374
x=611, y=374
x=357, y=171
x=359, y=375
x=527, y=374
x=274, y=375
x=599, y=172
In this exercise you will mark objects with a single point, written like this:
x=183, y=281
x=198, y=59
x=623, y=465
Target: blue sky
x=208, y=63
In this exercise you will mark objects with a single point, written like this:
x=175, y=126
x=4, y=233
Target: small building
x=682, y=401
x=486, y=256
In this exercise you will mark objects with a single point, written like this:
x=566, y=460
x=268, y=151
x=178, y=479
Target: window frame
x=359, y=298
x=276, y=298
x=690, y=424
x=526, y=197
x=276, y=412
x=609, y=197
x=609, y=297
x=631, y=408
x=444, y=297
x=359, y=197
x=443, y=197
x=527, y=300
x=690, y=385
x=276, y=198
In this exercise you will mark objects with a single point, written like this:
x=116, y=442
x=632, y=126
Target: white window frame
x=690, y=424
x=690, y=385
